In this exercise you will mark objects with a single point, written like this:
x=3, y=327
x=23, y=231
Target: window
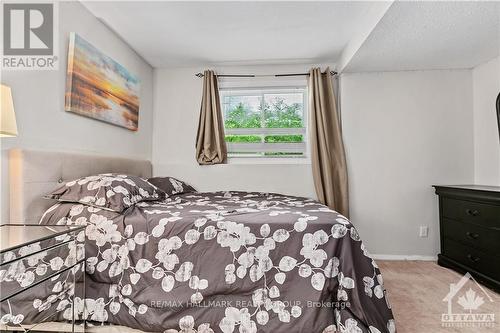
x=268, y=122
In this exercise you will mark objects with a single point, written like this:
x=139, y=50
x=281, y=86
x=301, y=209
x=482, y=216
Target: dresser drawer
x=472, y=212
x=487, y=240
x=48, y=301
x=475, y=259
x=29, y=265
x=42, y=269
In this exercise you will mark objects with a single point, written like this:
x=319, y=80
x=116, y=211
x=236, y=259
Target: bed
x=208, y=262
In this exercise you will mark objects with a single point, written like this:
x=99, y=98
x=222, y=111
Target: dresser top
x=15, y=236
x=471, y=187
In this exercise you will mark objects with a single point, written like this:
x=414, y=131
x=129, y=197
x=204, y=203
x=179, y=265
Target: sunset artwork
x=99, y=87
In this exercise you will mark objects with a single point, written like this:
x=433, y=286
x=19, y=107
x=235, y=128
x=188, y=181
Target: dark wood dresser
x=469, y=224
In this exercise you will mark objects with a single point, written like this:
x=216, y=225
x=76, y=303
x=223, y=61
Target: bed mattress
x=225, y=262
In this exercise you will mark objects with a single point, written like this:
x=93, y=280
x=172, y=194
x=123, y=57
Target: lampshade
x=8, y=126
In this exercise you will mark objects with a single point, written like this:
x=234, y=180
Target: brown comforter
x=228, y=262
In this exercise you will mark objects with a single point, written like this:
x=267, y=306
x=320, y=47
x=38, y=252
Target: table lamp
x=8, y=126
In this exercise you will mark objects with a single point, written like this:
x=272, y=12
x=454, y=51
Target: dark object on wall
x=498, y=114
x=469, y=223
x=200, y=75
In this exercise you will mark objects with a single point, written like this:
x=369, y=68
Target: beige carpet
x=416, y=290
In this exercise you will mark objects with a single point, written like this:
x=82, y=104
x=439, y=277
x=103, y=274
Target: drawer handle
x=472, y=258
x=472, y=235
x=472, y=212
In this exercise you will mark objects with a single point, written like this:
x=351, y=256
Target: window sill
x=269, y=160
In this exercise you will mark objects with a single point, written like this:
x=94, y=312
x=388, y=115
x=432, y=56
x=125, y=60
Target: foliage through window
x=265, y=123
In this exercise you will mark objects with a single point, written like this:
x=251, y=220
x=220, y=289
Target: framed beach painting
x=98, y=87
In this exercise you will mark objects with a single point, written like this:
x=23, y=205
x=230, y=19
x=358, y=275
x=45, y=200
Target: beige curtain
x=327, y=148
x=210, y=143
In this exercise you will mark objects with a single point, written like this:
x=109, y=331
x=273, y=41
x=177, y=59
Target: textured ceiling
x=431, y=35
x=170, y=34
x=409, y=35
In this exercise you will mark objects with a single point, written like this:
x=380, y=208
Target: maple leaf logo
x=470, y=301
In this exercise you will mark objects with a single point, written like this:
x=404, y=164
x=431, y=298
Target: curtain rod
x=200, y=75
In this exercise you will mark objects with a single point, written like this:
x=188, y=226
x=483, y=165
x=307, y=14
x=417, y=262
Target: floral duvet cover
x=227, y=262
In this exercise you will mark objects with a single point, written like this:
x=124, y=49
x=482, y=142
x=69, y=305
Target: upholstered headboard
x=35, y=173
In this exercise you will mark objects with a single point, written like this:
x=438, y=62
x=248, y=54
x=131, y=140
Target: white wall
x=39, y=101
x=405, y=131
x=486, y=86
x=177, y=105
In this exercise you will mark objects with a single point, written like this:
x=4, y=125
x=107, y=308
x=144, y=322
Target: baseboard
x=403, y=257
